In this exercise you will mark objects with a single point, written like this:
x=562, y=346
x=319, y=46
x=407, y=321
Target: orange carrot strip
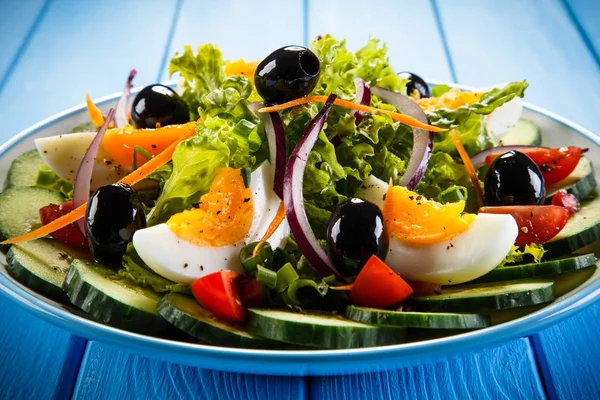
x=94, y=112
x=405, y=119
x=131, y=179
x=468, y=166
x=344, y=287
x=279, y=217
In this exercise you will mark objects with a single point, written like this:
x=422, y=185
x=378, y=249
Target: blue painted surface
x=482, y=42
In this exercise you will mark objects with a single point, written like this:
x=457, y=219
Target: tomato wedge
x=70, y=234
x=251, y=291
x=218, y=294
x=564, y=199
x=555, y=164
x=537, y=224
x=378, y=286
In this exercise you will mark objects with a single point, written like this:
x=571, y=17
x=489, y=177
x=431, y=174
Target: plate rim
x=293, y=362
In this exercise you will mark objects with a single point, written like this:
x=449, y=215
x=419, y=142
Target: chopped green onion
x=285, y=276
x=453, y=194
x=263, y=257
x=298, y=284
x=266, y=277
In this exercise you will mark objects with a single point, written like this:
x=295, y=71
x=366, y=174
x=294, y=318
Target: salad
x=314, y=199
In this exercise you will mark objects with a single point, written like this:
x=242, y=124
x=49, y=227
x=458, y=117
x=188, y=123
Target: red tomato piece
x=70, y=234
x=378, y=286
x=564, y=199
x=555, y=164
x=218, y=294
x=537, y=224
x=252, y=292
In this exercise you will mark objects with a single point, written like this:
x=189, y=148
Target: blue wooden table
x=53, y=51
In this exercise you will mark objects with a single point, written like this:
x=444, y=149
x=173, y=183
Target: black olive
x=356, y=231
x=416, y=83
x=114, y=213
x=287, y=74
x=514, y=179
x=158, y=104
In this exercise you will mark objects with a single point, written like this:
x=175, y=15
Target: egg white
x=181, y=261
x=373, y=189
x=465, y=257
x=63, y=154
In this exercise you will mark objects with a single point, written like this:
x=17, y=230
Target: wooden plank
x=408, y=27
x=539, y=42
x=18, y=20
x=585, y=17
x=499, y=41
x=570, y=356
x=111, y=373
x=227, y=24
x=506, y=372
x=249, y=30
x=39, y=360
x=76, y=47
x=84, y=47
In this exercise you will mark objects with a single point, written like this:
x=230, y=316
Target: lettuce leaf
x=48, y=179
x=530, y=253
x=201, y=73
x=489, y=101
x=135, y=270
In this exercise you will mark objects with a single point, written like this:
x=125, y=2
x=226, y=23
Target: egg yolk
x=222, y=217
x=241, y=67
x=412, y=218
x=119, y=143
x=451, y=100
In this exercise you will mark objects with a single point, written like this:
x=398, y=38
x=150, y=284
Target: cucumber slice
x=564, y=283
x=525, y=133
x=484, y=297
x=186, y=314
x=532, y=270
x=42, y=265
x=416, y=319
x=24, y=170
x=583, y=228
x=580, y=183
x=502, y=316
x=99, y=291
x=19, y=209
x=320, y=329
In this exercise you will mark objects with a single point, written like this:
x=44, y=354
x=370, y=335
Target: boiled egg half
x=438, y=243
x=208, y=238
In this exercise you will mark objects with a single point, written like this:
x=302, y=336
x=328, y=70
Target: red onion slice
x=121, y=119
x=293, y=196
x=478, y=159
x=363, y=97
x=422, y=139
x=276, y=139
x=81, y=186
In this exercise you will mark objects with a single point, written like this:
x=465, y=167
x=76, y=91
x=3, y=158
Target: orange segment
x=223, y=216
x=241, y=67
x=412, y=218
x=451, y=100
x=119, y=143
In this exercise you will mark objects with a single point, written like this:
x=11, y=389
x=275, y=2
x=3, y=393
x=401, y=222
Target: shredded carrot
x=131, y=179
x=471, y=171
x=344, y=287
x=94, y=112
x=405, y=119
x=279, y=217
